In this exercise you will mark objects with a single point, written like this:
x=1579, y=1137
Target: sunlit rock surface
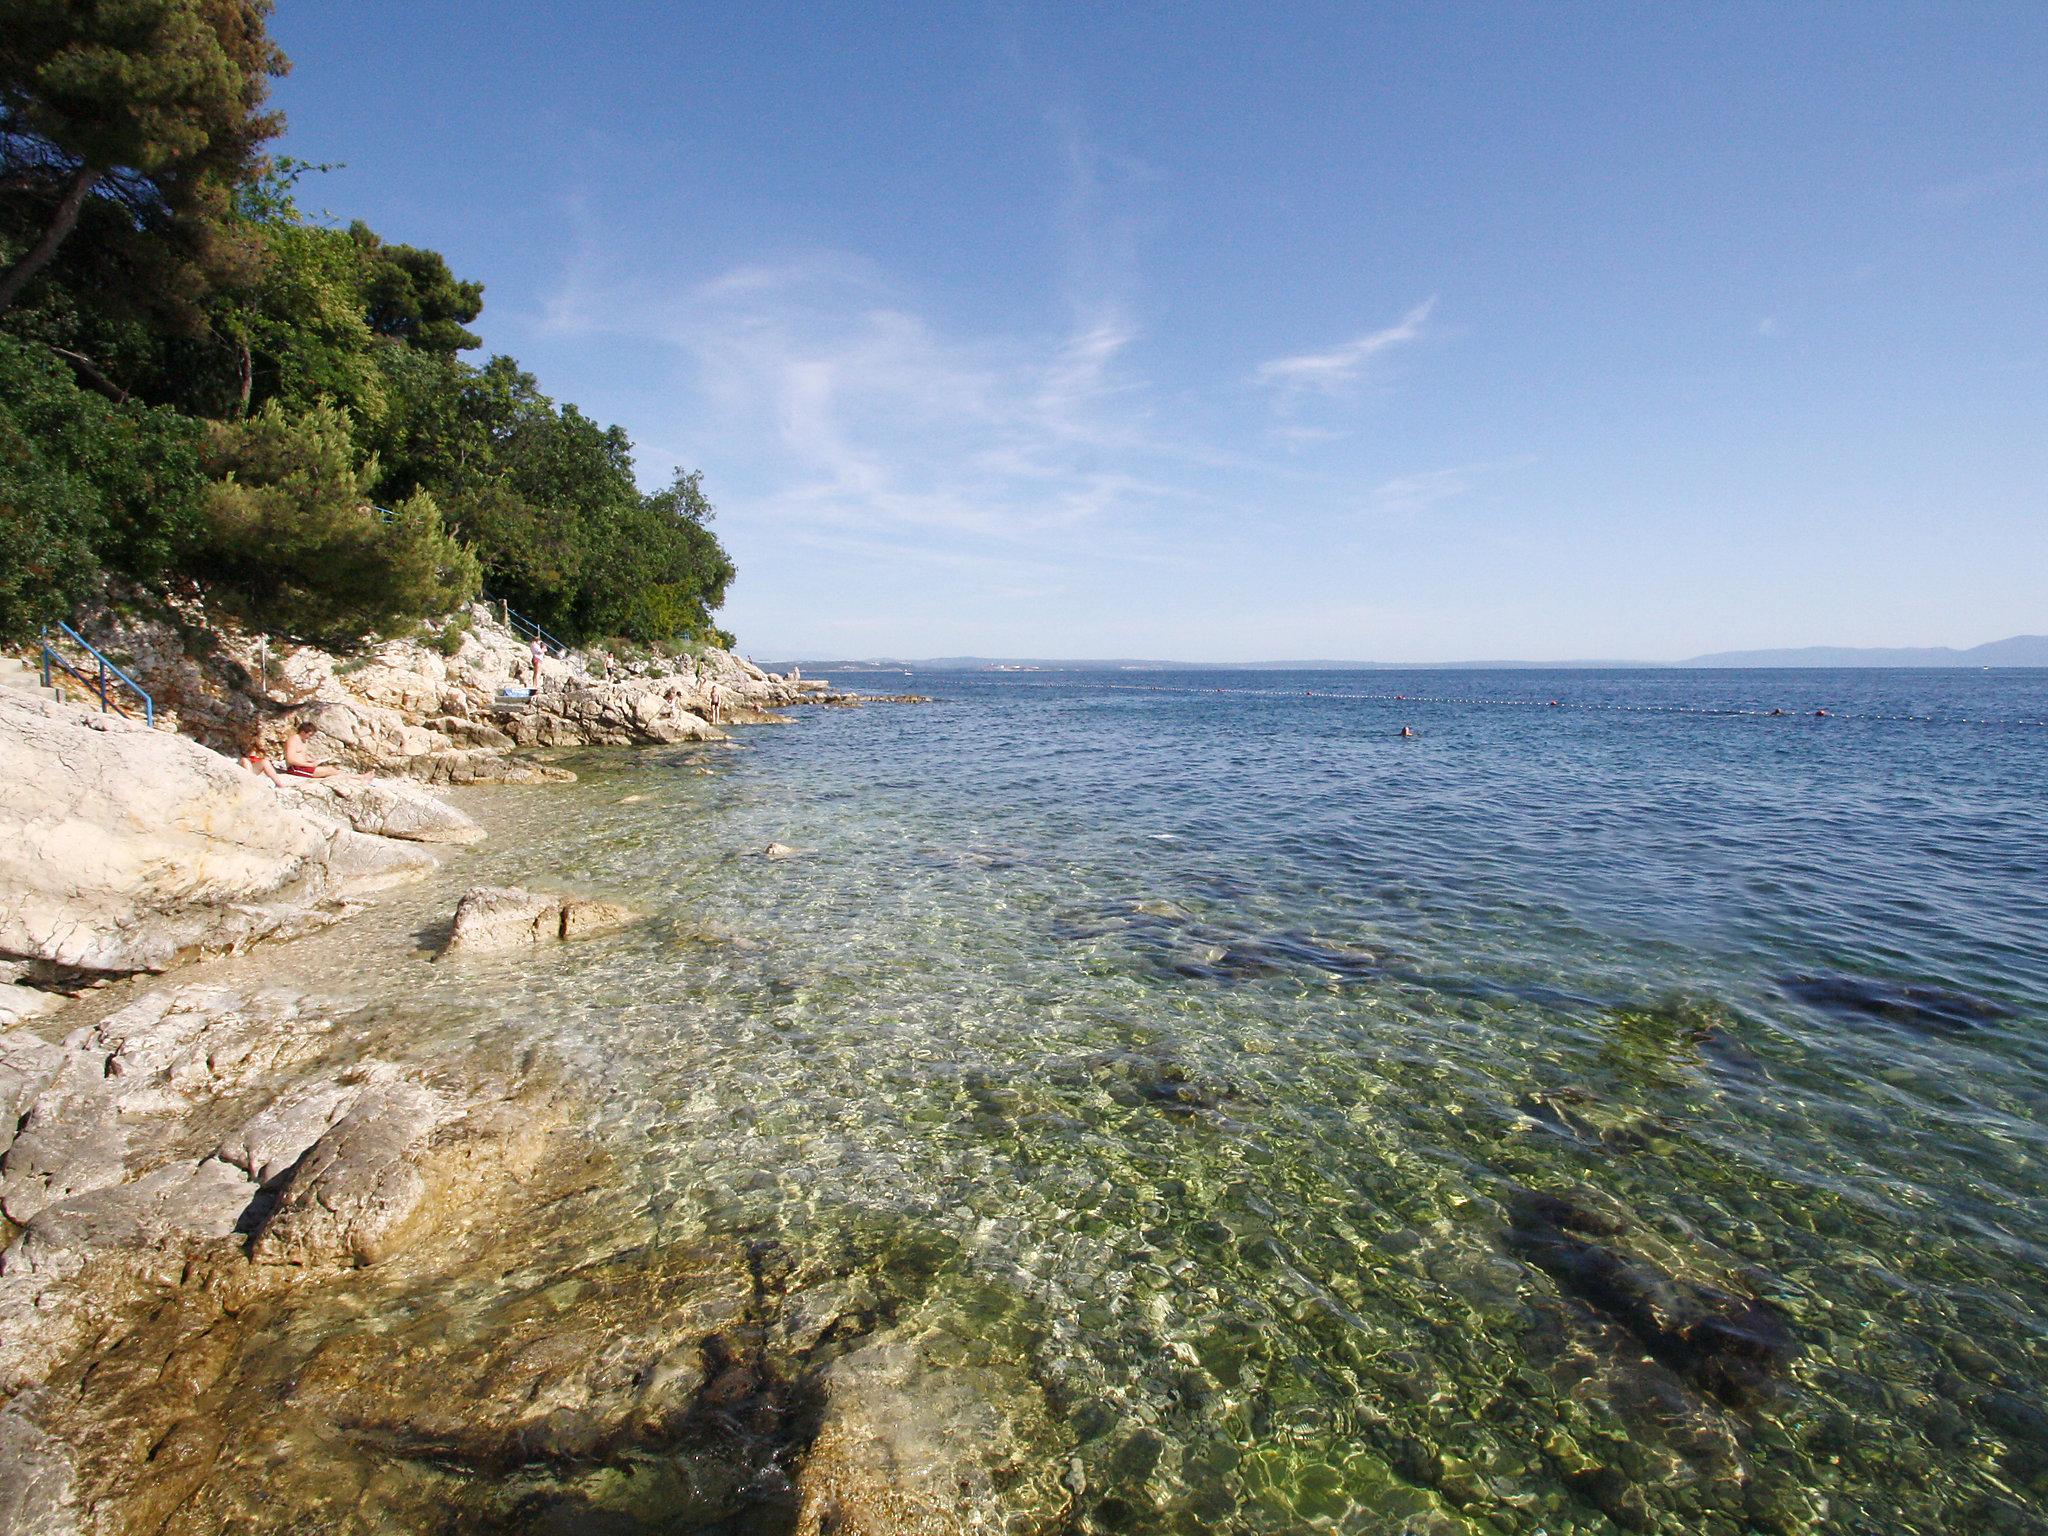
x=126, y=849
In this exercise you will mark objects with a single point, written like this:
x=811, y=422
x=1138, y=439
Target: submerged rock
x=1925, y=1008
x=912, y=1447
x=1727, y=1344
x=590, y=1364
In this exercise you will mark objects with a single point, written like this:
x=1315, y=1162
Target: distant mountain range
x=2019, y=651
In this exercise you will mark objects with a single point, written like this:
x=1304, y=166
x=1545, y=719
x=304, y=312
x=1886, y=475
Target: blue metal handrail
x=522, y=625
x=99, y=686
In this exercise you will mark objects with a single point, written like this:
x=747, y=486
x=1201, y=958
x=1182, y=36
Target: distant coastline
x=2018, y=651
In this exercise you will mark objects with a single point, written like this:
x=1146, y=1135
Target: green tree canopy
x=410, y=294
x=150, y=110
x=85, y=485
x=315, y=365
x=294, y=543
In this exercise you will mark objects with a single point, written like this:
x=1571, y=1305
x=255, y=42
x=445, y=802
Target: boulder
x=581, y=918
x=269, y=1145
x=351, y=1197
x=124, y=849
x=491, y=919
x=582, y=711
x=390, y=808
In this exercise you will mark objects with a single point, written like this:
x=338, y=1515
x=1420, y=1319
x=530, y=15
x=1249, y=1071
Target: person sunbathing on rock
x=257, y=761
x=298, y=756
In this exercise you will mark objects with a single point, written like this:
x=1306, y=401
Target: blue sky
x=1233, y=332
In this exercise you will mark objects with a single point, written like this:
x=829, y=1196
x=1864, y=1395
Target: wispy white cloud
x=866, y=417
x=1419, y=492
x=1985, y=185
x=1337, y=367
x=1768, y=326
x=1425, y=489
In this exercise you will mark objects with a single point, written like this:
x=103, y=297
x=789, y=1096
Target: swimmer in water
x=1407, y=730
x=1777, y=712
x=1820, y=714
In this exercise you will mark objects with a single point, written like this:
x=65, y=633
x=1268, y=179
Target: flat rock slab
x=71, y=1140
x=125, y=849
x=492, y=919
x=28, y=1065
x=37, y=1487
x=159, y=1213
x=390, y=808
x=172, y=1049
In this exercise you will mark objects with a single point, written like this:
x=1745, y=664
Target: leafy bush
x=449, y=637
x=85, y=486
x=293, y=542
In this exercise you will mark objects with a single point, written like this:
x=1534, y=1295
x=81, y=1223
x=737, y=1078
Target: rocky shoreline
x=202, y=1185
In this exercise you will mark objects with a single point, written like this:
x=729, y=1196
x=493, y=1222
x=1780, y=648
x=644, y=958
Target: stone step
x=27, y=677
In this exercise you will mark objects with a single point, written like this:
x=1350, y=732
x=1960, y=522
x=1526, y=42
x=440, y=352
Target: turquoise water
x=1623, y=1114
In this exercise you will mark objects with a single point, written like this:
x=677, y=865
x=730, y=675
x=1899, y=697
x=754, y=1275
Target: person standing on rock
x=713, y=694
x=539, y=650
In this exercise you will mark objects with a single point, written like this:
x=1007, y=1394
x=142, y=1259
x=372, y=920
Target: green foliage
x=304, y=326
x=84, y=485
x=146, y=112
x=312, y=364
x=411, y=295
x=449, y=637
x=293, y=542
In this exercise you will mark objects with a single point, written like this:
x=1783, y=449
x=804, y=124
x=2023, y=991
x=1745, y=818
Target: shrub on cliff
x=292, y=541
x=86, y=486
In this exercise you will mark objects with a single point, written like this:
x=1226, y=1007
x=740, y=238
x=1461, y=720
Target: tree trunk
x=62, y=222
x=89, y=371
x=245, y=374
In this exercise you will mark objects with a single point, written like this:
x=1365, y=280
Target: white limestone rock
x=124, y=849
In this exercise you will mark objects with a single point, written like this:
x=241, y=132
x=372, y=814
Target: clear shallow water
x=1629, y=1114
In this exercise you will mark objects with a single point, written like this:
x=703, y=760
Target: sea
x=1619, y=1105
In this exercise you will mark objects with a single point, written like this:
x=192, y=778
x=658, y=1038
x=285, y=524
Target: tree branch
x=62, y=222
